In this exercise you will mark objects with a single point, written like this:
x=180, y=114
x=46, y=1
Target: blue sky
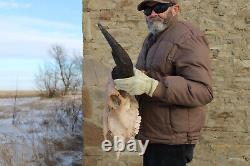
x=27, y=30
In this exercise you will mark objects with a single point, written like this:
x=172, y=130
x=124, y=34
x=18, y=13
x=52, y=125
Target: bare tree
x=63, y=74
x=67, y=67
x=47, y=80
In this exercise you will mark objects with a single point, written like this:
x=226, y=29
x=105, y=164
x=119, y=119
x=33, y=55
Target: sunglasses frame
x=158, y=8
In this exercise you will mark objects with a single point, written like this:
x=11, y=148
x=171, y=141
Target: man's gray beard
x=156, y=26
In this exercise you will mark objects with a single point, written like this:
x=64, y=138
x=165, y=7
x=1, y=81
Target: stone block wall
x=226, y=136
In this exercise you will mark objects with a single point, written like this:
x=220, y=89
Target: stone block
x=93, y=135
x=100, y=4
x=95, y=73
x=87, y=103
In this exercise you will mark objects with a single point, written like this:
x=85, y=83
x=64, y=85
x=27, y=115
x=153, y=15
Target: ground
x=44, y=132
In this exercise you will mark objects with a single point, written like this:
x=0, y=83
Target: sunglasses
x=158, y=8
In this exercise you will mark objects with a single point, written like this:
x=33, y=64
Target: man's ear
x=175, y=9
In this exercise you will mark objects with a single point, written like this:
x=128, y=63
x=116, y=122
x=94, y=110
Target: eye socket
x=147, y=11
x=158, y=8
x=162, y=7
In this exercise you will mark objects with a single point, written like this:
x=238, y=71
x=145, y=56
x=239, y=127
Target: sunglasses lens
x=158, y=8
x=161, y=7
x=147, y=11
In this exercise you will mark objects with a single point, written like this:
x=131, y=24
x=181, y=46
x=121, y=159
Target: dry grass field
x=20, y=93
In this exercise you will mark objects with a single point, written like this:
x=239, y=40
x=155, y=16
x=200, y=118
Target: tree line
x=62, y=74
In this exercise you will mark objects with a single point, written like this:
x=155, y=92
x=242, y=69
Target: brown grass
x=20, y=93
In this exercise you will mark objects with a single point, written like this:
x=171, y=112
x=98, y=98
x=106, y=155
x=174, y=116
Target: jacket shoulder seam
x=187, y=34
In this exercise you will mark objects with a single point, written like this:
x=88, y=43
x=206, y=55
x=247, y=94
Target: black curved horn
x=124, y=65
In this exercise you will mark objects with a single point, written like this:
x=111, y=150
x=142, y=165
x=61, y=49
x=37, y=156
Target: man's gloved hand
x=138, y=84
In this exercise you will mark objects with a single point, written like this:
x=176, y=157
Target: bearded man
x=173, y=84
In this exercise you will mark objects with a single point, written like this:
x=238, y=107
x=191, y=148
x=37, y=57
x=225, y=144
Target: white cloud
x=31, y=22
x=13, y=5
x=27, y=36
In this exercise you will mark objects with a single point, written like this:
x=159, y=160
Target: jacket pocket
x=196, y=118
x=179, y=119
x=154, y=120
x=171, y=54
x=169, y=60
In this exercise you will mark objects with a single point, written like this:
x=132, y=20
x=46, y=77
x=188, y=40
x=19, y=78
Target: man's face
x=157, y=22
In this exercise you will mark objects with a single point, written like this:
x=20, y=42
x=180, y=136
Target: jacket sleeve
x=191, y=85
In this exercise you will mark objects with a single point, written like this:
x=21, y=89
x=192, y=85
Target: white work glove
x=138, y=84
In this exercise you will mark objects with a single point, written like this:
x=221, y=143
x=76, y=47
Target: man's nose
x=153, y=14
